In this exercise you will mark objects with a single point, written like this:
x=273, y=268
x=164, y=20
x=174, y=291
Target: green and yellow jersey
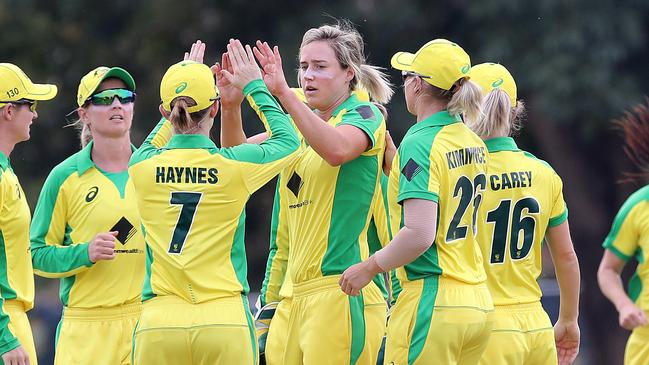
x=191, y=197
x=378, y=231
x=442, y=160
x=524, y=197
x=629, y=238
x=329, y=207
x=16, y=273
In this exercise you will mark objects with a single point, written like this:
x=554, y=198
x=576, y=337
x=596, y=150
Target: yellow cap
x=191, y=79
x=90, y=82
x=494, y=76
x=444, y=63
x=15, y=85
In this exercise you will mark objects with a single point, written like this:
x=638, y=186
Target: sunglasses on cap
x=406, y=74
x=32, y=103
x=106, y=97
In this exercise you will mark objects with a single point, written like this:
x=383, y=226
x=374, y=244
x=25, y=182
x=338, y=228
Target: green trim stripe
x=618, y=253
x=147, y=290
x=357, y=317
x=558, y=220
x=7, y=291
x=635, y=287
x=352, y=200
x=274, y=221
x=251, y=328
x=425, y=310
x=238, y=254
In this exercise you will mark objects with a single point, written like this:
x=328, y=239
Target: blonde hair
x=464, y=98
x=348, y=46
x=499, y=117
x=182, y=120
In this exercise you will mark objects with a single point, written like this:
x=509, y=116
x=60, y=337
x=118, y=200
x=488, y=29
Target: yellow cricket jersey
x=442, y=160
x=16, y=273
x=329, y=207
x=191, y=197
x=524, y=197
x=629, y=238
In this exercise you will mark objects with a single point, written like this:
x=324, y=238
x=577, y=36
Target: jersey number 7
x=188, y=202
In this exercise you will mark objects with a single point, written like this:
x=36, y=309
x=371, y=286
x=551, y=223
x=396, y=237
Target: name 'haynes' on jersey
x=186, y=174
x=465, y=156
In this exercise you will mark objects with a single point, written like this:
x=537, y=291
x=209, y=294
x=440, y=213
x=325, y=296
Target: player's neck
x=112, y=155
x=6, y=145
x=426, y=106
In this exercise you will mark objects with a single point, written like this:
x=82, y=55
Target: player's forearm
x=416, y=236
x=322, y=137
x=611, y=286
x=232, y=133
x=568, y=278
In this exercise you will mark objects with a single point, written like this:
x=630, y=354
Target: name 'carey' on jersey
x=186, y=174
x=465, y=156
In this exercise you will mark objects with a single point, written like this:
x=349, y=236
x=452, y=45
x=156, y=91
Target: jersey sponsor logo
x=511, y=180
x=465, y=156
x=92, y=194
x=295, y=183
x=125, y=230
x=186, y=174
x=365, y=111
x=300, y=204
x=411, y=169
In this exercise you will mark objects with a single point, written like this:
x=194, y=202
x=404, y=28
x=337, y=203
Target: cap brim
x=121, y=74
x=41, y=92
x=402, y=61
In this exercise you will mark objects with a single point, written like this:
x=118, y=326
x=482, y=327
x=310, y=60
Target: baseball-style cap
x=90, y=82
x=15, y=85
x=494, y=76
x=442, y=62
x=190, y=79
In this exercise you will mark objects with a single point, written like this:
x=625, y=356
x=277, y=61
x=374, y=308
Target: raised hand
x=196, y=53
x=230, y=95
x=244, y=67
x=271, y=64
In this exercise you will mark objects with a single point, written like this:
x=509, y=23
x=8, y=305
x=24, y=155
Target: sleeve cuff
x=426, y=195
x=366, y=130
x=252, y=86
x=618, y=253
x=9, y=345
x=558, y=219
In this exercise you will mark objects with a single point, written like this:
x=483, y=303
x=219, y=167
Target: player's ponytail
x=466, y=100
x=498, y=117
x=182, y=120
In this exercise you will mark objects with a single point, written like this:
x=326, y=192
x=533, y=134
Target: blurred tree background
x=578, y=64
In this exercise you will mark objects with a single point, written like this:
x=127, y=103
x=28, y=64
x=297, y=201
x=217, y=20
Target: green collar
x=4, y=161
x=351, y=100
x=187, y=141
x=441, y=118
x=501, y=144
x=84, y=158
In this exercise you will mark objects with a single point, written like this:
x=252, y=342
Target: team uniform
x=628, y=239
x=443, y=313
x=191, y=196
x=328, y=210
x=77, y=201
x=524, y=198
x=16, y=272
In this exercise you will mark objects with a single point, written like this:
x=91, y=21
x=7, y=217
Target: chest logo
x=295, y=183
x=92, y=194
x=125, y=230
